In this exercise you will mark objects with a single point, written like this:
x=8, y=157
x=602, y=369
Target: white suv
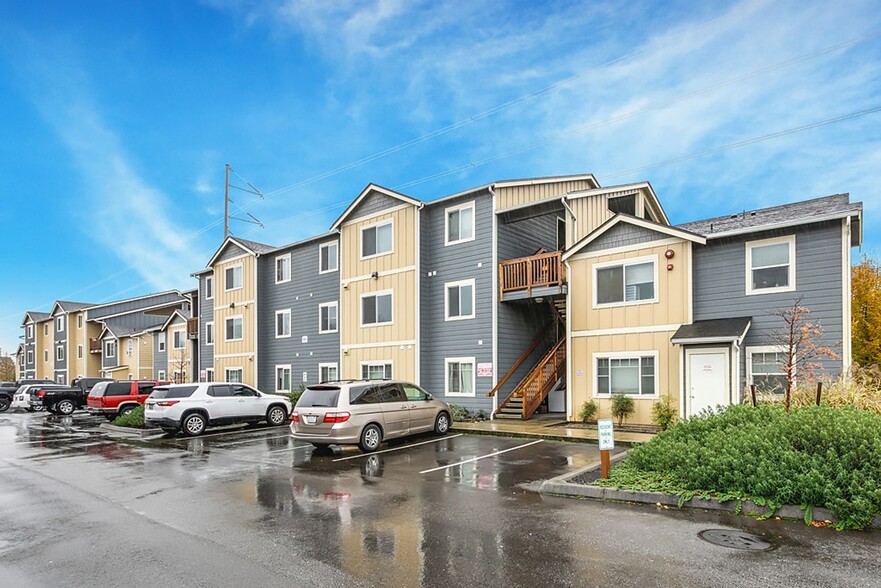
x=192, y=408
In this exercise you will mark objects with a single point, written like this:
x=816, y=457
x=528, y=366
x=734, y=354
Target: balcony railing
x=544, y=270
x=193, y=328
x=94, y=345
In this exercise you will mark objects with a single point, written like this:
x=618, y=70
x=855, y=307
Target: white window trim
x=287, y=257
x=160, y=375
x=447, y=212
x=226, y=287
x=79, y=351
x=59, y=320
x=763, y=349
x=79, y=321
x=115, y=347
x=46, y=356
x=59, y=353
x=361, y=308
x=30, y=331
x=333, y=365
x=236, y=368
x=46, y=329
x=626, y=355
x=183, y=339
x=162, y=341
x=209, y=326
x=287, y=312
x=209, y=280
x=30, y=356
x=376, y=226
x=336, y=257
x=209, y=374
x=447, y=362
x=750, y=245
x=290, y=377
x=382, y=362
x=230, y=318
x=625, y=262
x=336, y=305
x=458, y=284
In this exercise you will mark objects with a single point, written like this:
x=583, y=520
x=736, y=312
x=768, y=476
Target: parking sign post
x=607, y=444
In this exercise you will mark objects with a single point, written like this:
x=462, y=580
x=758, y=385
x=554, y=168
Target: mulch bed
x=587, y=477
x=625, y=428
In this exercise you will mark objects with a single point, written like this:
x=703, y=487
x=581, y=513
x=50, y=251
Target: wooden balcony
x=193, y=328
x=532, y=277
x=94, y=345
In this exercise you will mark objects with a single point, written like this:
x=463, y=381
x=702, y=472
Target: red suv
x=113, y=399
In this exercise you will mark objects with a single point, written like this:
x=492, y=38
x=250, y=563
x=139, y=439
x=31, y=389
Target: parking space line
x=289, y=449
x=399, y=448
x=452, y=465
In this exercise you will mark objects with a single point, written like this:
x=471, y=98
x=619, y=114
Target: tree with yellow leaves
x=866, y=311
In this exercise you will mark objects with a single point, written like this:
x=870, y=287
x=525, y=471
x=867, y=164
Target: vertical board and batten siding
x=160, y=358
x=302, y=295
x=206, y=315
x=145, y=356
x=511, y=196
x=590, y=213
x=93, y=360
x=178, y=359
x=235, y=354
x=720, y=286
x=45, y=342
x=403, y=245
x=521, y=322
x=441, y=339
x=134, y=305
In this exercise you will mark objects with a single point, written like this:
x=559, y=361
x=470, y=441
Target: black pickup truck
x=63, y=400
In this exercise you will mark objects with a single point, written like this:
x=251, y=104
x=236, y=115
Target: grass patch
x=133, y=419
x=815, y=456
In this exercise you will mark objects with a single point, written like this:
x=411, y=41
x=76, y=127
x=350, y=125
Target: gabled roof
x=37, y=317
x=625, y=189
x=546, y=180
x=632, y=220
x=133, y=299
x=366, y=192
x=171, y=317
x=119, y=331
x=252, y=247
x=815, y=210
x=68, y=307
x=725, y=330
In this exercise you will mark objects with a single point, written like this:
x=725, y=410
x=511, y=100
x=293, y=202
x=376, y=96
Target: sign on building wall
x=484, y=370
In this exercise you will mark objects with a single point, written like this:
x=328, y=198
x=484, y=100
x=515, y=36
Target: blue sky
x=119, y=116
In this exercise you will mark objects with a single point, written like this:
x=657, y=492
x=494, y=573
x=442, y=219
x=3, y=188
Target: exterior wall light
x=669, y=254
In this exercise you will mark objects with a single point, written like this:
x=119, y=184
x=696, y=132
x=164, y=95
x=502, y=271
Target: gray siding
x=231, y=250
x=60, y=341
x=109, y=362
x=30, y=344
x=524, y=238
x=374, y=202
x=440, y=338
x=135, y=305
x=623, y=234
x=160, y=358
x=206, y=315
x=720, y=283
x=135, y=322
x=303, y=294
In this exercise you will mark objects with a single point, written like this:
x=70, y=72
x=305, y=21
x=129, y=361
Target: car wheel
x=65, y=407
x=371, y=437
x=276, y=416
x=125, y=410
x=4, y=404
x=40, y=408
x=194, y=425
x=442, y=424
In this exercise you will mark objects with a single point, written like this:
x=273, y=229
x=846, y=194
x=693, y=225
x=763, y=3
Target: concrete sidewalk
x=544, y=428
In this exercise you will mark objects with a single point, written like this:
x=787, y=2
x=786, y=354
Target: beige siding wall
x=46, y=343
x=403, y=328
x=403, y=361
x=93, y=360
x=178, y=359
x=76, y=336
x=508, y=197
x=245, y=363
x=404, y=248
x=145, y=357
x=129, y=360
x=234, y=354
x=592, y=211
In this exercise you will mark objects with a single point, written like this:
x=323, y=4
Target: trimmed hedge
x=133, y=419
x=815, y=456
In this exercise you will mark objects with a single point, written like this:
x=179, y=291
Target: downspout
x=495, y=302
x=574, y=221
x=339, y=304
x=417, y=361
x=570, y=410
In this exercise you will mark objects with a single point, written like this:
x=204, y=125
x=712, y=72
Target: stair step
x=514, y=417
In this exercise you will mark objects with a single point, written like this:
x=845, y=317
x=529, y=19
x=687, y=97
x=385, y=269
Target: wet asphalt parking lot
x=253, y=507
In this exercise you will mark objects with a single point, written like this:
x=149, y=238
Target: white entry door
x=708, y=380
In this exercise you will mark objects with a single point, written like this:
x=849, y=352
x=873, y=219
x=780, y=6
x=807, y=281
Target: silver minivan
x=364, y=412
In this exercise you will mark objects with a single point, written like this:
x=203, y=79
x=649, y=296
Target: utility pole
x=226, y=201
x=226, y=205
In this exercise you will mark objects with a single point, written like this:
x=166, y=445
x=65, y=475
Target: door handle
x=209, y=401
x=403, y=407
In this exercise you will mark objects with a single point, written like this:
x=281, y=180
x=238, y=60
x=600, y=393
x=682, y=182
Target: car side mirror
x=428, y=397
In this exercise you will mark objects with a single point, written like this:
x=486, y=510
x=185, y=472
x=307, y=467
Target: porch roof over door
x=725, y=330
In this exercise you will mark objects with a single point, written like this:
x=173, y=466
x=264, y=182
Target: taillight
x=41, y=393
x=336, y=417
x=167, y=402
x=296, y=417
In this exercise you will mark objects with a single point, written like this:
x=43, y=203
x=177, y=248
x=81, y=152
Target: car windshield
x=319, y=397
x=176, y=392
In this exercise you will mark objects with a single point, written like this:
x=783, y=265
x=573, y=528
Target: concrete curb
x=530, y=435
x=128, y=431
x=561, y=486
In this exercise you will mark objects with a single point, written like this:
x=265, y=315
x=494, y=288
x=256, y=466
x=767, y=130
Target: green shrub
x=460, y=413
x=294, y=395
x=664, y=413
x=815, y=456
x=588, y=411
x=481, y=415
x=622, y=407
x=133, y=419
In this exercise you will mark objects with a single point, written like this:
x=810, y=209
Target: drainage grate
x=735, y=540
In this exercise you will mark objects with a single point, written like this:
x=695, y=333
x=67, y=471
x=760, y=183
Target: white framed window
x=634, y=281
x=460, y=376
x=770, y=265
x=161, y=341
x=376, y=370
x=79, y=351
x=232, y=278
x=79, y=321
x=283, y=269
x=59, y=324
x=328, y=372
x=178, y=340
x=45, y=329
x=233, y=375
x=459, y=224
x=59, y=353
x=328, y=257
x=282, y=323
x=633, y=374
x=376, y=309
x=59, y=379
x=459, y=300
x=764, y=368
x=109, y=348
x=160, y=375
x=209, y=333
x=328, y=317
x=209, y=287
x=377, y=239
x=233, y=328
x=209, y=374
x=30, y=331
x=283, y=378
x=21, y=361
x=30, y=355
x=178, y=376
x=45, y=355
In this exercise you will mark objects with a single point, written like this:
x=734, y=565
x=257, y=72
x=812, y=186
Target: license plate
x=311, y=419
x=150, y=406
